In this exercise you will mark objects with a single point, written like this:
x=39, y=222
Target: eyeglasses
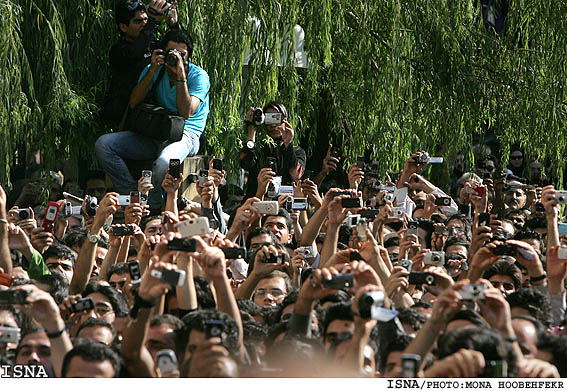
x=119, y=284
x=55, y=265
x=507, y=285
x=274, y=292
x=455, y=229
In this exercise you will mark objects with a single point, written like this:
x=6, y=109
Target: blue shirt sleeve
x=198, y=83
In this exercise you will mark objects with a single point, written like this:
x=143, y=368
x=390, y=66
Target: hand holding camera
x=331, y=160
x=550, y=203
x=397, y=281
x=211, y=260
x=40, y=306
x=152, y=288
x=264, y=178
x=268, y=259
x=107, y=207
x=355, y=175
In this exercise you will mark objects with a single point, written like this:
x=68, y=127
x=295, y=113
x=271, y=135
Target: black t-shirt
x=127, y=60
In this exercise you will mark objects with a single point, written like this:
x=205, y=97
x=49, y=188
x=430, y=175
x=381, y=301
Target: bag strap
x=151, y=94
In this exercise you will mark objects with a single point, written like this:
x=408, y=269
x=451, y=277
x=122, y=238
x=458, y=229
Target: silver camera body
x=473, y=292
x=398, y=212
x=435, y=258
x=267, y=207
x=561, y=197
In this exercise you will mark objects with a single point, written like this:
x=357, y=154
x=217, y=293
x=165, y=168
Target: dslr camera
x=170, y=58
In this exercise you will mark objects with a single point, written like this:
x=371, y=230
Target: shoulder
x=197, y=72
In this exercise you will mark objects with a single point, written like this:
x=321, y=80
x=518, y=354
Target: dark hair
x=466, y=222
x=173, y=321
x=75, y=237
x=488, y=342
x=557, y=346
x=145, y=220
x=278, y=274
x=412, y=317
x=58, y=250
x=281, y=213
x=456, y=241
x=291, y=298
x=397, y=343
x=257, y=232
x=92, y=351
x=58, y=285
x=196, y=321
x=536, y=220
x=279, y=107
x=537, y=304
x=472, y=316
x=340, y=311
x=296, y=351
x=505, y=268
x=205, y=297
x=124, y=12
x=178, y=35
x=528, y=234
x=247, y=306
x=28, y=331
x=254, y=331
x=117, y=299
x=392, y=241
x=117, y=268
x=339, y=297
x=98, y=322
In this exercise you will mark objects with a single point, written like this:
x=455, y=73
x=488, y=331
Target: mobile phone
x=172, y=277
x=562, y=227
x=9, y=334
x=6, y=279
x=443, y=201
x=134, y=197
x=369, y=213
x=122, y=231
x=84, y=304
x=174, y=167
x=484, y=220
x=479, y=190
x=214, y=328
x=50, y=216
x=193, y=227
x=419, y=278
x=271, y=163
x=307, y=174
x=410, y=364
x=147, y=175
x=335, y=152
x=341, y=281
x=135, y=272
x=183, y=244
x=203, y=176
x=234, y=252
x=217, y=164
x=361, y=162
x=412, y=228
x=167, y=361
x=352, y=202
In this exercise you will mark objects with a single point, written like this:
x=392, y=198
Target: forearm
x=60, y=345
x=246, y=289
x=5, y=258
x=85, y=263
x=552, y=231
x=183, y=100
x=354, y=357
x=313, y=227
x=171, y=203
x=123, y=253
x=425, y=339
x=226, y=302
x=330, y=245
x=186, y=294
x=132, y=348
x=109, y=260
x=139, y=92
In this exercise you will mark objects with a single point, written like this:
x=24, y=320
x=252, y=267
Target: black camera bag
x=151, y=120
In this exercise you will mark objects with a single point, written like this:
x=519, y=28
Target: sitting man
x=182, y=89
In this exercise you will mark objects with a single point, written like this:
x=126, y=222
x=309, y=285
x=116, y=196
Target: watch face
x=93, y=238
x=250, y=144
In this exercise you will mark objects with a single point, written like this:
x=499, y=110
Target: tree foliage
x=394, y=75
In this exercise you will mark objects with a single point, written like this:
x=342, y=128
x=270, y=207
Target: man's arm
x=5, y=258
x=139, y=92
x=86, y=258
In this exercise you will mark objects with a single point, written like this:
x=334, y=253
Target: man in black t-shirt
x=132, y=53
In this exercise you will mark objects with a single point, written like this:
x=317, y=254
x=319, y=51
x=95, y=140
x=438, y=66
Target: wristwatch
x=93, y=238
x=250, y=145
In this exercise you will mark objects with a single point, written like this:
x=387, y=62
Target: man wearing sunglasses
x=138, y=27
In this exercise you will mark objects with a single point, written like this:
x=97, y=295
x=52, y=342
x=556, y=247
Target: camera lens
x=258, y=117
x=24, y=214
x=429, y=280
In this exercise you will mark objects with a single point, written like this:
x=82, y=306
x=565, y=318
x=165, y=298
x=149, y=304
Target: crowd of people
x=295, y=275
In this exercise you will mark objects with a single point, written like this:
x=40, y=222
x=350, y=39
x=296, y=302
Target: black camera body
x=170, y=58
x=277, y=259
x=214, y=329
x=368, y=302
x=91, y=206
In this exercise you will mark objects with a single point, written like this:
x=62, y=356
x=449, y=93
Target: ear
x=123, y=27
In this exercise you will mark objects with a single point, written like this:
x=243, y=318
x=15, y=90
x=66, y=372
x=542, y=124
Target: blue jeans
x=112, y=148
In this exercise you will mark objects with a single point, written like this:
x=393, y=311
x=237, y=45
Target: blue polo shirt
x=197, y=84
